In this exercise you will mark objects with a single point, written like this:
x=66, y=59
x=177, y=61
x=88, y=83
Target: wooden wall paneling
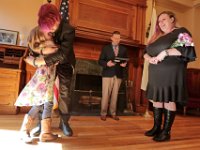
x=143, y=30
x=140, y=24
x=134, y=2
x=134, y=23
x=100, y=18
x=132, y=67
x=135, y=74
x=193, y=85
x=96, y=51
x=87, y=50
x=138, y=92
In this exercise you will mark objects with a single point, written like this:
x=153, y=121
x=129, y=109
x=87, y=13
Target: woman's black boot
x=168, y=122
x=157, y=112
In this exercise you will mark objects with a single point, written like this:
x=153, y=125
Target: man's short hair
x=116, y=32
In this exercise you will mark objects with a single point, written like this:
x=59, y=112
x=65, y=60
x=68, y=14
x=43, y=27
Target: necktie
x=116, y=50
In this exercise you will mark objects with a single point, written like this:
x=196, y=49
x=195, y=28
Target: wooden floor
x=90, y=133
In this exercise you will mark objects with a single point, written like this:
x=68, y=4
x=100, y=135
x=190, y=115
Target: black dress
x=167, y=79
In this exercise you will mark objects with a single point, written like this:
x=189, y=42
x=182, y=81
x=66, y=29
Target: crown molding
x=180, y=5
x=184, y=2
x=173, y=4
x=196, y=3
x=191, y=4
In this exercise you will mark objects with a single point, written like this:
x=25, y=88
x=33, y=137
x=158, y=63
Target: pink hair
x=48, y=15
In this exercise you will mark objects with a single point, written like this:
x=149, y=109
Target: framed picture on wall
x=8, y=37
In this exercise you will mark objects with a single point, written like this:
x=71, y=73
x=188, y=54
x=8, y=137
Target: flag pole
x=149, y=33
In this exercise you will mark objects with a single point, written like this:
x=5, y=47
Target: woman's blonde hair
x=36, y=38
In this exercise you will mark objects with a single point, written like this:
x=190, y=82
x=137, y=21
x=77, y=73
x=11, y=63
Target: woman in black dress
x=168, y=52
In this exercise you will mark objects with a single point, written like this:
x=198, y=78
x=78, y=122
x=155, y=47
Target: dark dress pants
x=64, y=73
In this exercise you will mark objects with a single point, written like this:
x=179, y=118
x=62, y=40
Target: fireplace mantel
x=94, y=38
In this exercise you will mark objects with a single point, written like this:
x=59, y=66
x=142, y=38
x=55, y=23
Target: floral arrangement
x=184, y=39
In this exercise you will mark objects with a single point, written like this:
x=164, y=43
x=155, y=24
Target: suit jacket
x=106, y=55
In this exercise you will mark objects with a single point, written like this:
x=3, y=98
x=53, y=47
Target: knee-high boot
x=46, y=134
x=168, y=122
x=25, y=129
x=64, y=125
x=157, y=112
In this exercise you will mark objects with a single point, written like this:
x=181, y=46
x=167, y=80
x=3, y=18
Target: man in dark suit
x=112, y=74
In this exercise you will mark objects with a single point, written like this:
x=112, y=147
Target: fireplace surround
x=86, y=89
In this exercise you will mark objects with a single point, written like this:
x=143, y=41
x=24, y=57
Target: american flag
x=64, y=10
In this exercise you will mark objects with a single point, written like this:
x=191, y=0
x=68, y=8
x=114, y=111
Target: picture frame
x=8, y=37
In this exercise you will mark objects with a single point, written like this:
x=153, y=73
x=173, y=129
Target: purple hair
x=48, y=16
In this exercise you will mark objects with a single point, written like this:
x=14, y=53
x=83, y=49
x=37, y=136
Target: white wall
x=19, y=15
